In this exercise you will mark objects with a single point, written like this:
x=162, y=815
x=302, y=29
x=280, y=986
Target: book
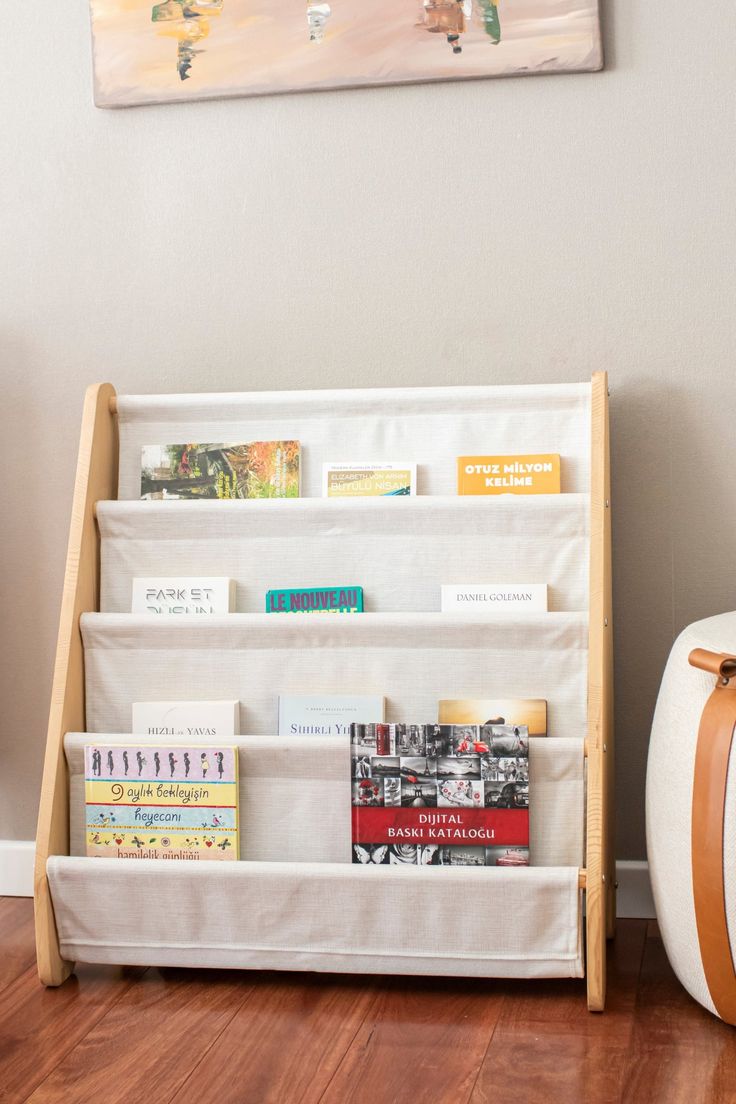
x=327, y=714
x=256, y=469
x=440, y=795
x=529, y=712
x=341, y=599
x=190, y=719
x=494, y=599
x=182, y=595
x=173, y=801
x=366, y=480
x=525, y=474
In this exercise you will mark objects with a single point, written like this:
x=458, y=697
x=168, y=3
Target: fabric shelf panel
x=455, y=921
x=411, y=659
x=295, y=797
x=428, y=425
x=400, y=550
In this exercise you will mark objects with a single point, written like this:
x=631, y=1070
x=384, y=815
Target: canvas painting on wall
x=200, y=49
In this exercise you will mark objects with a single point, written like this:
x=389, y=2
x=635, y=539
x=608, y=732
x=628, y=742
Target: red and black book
x=440, y=795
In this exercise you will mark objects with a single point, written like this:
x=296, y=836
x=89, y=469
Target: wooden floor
x=132, y=1035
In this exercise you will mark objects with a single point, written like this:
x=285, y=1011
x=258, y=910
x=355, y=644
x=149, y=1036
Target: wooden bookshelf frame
x=96, y=479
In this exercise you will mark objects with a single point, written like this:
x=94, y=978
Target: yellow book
x=533, y=473
x=364, y=480
x=531, y=712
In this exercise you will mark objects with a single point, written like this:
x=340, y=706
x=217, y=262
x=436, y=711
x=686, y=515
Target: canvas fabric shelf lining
x=431, y=426
x=316, y=916
x=412, y=659
x=399, y=550
x=295, y=797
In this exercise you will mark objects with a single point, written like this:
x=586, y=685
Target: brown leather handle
x=715, y=737
x=718, y=663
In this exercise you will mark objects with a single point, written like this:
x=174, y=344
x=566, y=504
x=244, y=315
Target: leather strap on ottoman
x=715, y=738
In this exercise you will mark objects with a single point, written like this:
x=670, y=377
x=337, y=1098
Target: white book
x=327, y=714
x=366, y=479
x=494, y=599
x=186, y=718
x=183, y=595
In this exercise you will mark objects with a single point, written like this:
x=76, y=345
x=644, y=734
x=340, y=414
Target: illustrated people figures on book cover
x=440, y=795
x=181, y=803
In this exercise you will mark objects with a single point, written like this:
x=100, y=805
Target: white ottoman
x=692, y=880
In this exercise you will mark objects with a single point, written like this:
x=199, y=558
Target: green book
x=342, y=599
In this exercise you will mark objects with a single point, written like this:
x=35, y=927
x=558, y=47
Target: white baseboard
x=16, y=868
x=634, y=898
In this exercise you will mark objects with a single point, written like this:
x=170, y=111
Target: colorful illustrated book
x=190, y=719
x=440, y=795
x=341, y=599
x=363, y=480
x=183, y=595
x=327, y=714
x=494, y=599
x=529, y=712
x=173, y=801
x=525, y=474
x=257, y=469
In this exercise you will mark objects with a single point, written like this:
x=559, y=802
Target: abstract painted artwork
x=200, y=49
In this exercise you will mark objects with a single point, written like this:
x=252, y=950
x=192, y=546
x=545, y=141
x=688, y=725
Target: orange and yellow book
x=533, y=473
x=530, y=712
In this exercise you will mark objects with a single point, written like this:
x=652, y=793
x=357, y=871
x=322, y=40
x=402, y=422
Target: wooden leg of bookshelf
x=53, y=970
x=610, y=863
x=96, y=478
x=611, y=912
x=600, y=888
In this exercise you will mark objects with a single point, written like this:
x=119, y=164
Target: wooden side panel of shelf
x=600, y=871
x=96, y=478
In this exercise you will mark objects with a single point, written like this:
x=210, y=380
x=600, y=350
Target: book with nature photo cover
x=256, y=469
x=526, y=474
x=440, y=795
x=171, y=801
x=529, y=712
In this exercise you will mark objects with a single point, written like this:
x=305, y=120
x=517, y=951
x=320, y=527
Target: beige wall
x=500, y=231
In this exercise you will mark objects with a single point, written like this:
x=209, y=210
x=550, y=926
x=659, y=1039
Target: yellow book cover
x=531, y=712
x=166, y=802
x=361, y=480
x=533, y=473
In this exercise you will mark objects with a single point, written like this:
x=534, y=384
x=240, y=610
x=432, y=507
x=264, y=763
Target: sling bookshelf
x=284, y=906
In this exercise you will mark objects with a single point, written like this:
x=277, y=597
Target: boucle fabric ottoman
x=691, y=812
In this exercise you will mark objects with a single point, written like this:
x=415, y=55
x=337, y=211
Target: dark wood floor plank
x=680, y=1053
x=39, y=1027
x=150, y=1041
x=548, y=1047
x=548, y=1063
x=288, y=1038
x=17, y=948
x=191, y=1037
x=421, y=1042
x=564, y=1002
